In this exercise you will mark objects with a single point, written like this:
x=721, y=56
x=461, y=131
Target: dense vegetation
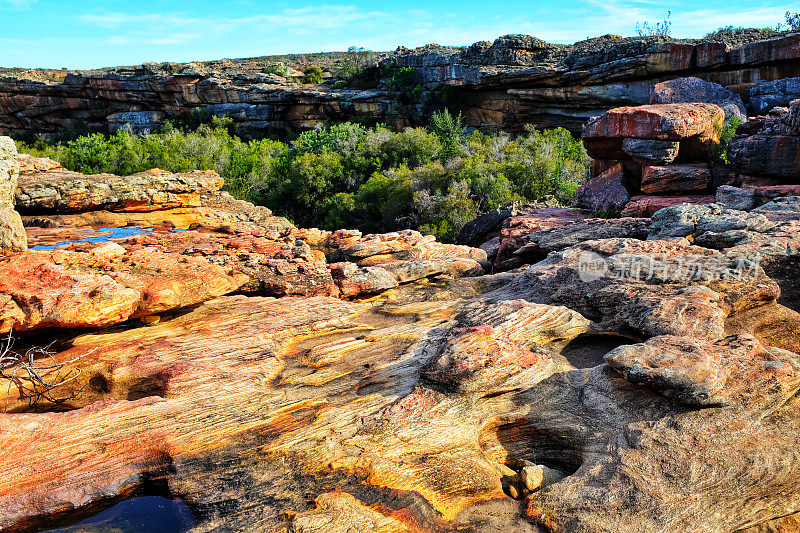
x=347, y=175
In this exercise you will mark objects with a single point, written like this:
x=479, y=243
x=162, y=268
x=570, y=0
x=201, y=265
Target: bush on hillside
x=312, y=74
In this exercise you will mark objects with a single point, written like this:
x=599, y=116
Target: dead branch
x=36, y=373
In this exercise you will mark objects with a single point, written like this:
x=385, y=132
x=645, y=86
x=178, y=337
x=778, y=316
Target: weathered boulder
x=606, y=192
x=687, y=90
x=767, y=155
x=12, y=233
x=474, y=232
x=667, y=122
x=646, y=206
x=65, y=191
x=650, y=151
x=770, y=147
x=764, y=95
x=675, y=179
x=9, y=171
x=104, y=286
x=651, y=287
x=697, y=372
x=515, y=231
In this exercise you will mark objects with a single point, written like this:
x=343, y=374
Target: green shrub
x=725, y=132
x=312, y=74
x=279, y=69
x=339, y=84
x=792, y=21
x=450, y=130
x=346, y=175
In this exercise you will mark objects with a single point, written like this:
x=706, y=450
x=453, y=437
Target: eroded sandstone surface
x=622, y=375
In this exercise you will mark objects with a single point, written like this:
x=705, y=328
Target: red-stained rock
x=645, y=206
x=668, y=122
x=675, y=179
x=75, y=289
x=481, y=359
x=606, y=192
x=353, y=280
x=515, y=229
x=767, y=155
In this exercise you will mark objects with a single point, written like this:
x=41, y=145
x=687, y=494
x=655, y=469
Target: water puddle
x=107, y=235
x=148, y=514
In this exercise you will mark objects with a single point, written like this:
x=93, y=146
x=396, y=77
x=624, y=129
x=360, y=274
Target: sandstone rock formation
x=639, y=374
x=769, y=147
x=633, y=145
x=559, y=398
x=12, y=234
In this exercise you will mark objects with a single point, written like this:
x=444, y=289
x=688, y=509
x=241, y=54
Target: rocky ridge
x=503, y=85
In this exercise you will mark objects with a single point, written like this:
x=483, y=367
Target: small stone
x=536, y=477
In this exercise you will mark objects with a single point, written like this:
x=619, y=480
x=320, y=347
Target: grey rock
x=9, y=171
x=692, y=89
x=12, y=232
x=650, y=151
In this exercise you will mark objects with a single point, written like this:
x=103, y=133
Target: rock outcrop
x=627, y=375
x=515, y=80
x=769, y=147
x=641, y=375
x=658, y=149
x=12, y=233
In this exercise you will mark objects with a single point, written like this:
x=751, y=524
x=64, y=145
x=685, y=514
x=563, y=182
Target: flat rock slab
x=667, y=122
x=675, y=179
x=645, y=205
x=65, y=191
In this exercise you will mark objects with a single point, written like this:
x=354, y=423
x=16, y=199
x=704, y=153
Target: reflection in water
x=148, y=514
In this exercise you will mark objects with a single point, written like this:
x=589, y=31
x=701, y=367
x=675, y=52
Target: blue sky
x=95, y=33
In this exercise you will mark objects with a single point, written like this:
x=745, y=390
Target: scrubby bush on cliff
x=347, y=175
x=312, y=74
x=659, y=29
x=792, y=21
x=279, y=69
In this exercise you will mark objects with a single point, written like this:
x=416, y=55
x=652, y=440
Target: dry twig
x=35, y=372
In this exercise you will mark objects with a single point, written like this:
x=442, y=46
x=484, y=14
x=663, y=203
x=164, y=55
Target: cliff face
x=516, y=80
x=144, y=98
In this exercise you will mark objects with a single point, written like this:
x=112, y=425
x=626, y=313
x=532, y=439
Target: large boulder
x=606, y=192
x=687, y=90
x=668, y=122
x=675, y=179
x=12, y=234
x=9, y=171
x=650, y=151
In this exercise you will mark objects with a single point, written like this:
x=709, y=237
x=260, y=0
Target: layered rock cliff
x=498, y=86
